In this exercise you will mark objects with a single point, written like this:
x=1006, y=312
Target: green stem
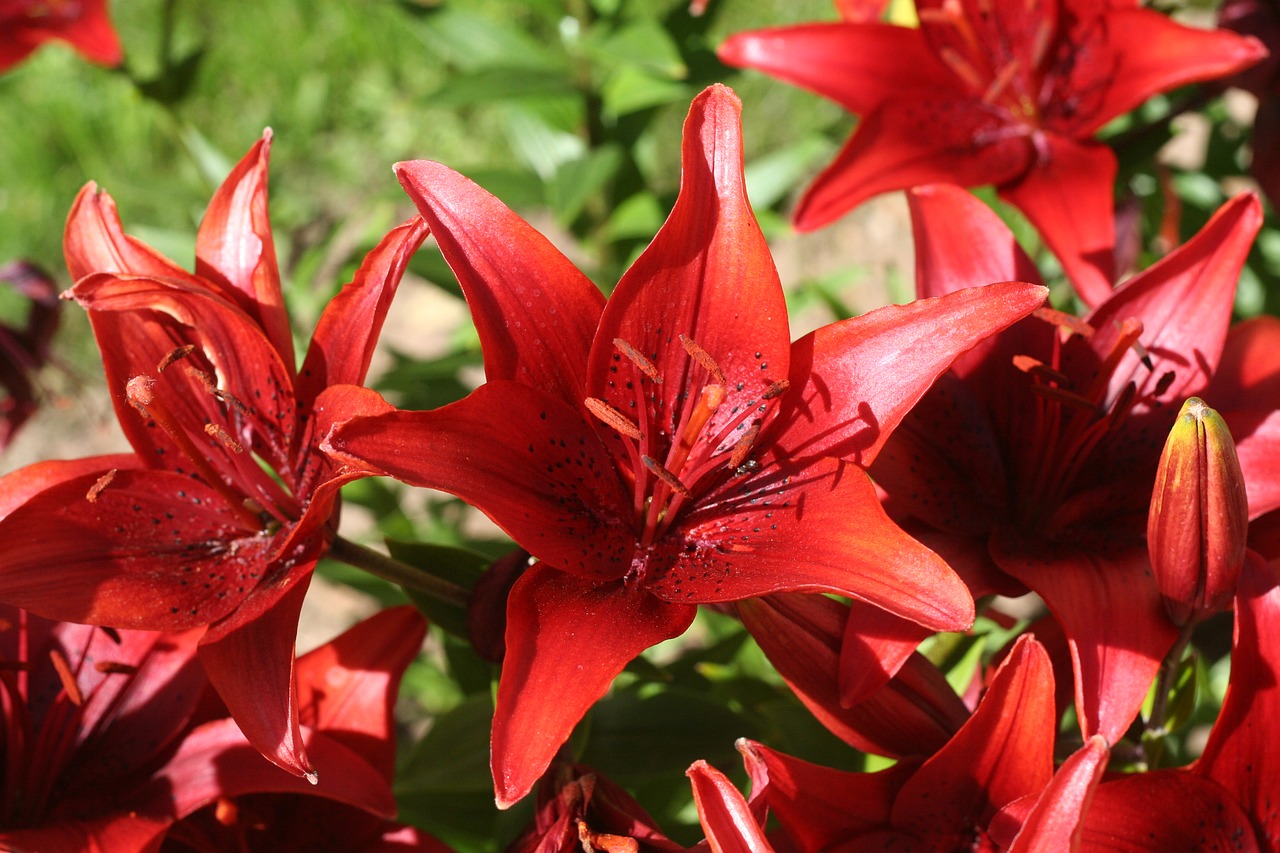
x=399, y=573
x=1155, y=730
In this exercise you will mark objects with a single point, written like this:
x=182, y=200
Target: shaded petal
x=930, y=139
x=817, y=528
x=1265, y=144
x=708, y=275
x=1068, y=195
x=17, y=487
x=858, y=66
x=534, y=310
x=250, y=662
x=119, y=832
x=1056, y=821
x=347, y=688
x=1109, y=606
x=94, y=241
x=1152, y=53
x=875, y=645
x=1242, y=753
x=555, y=491
x=89, y=31
x=152, y=550
x=566, y=641
x=347, y=332
x=1184, y=302
x=235, y=251
x=1169, y=811
x=853, y=382
x=1003, y=752
x=726, y=820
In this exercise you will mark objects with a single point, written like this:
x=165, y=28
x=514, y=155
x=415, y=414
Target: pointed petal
x=819, y=528
x=726, y=820
x=858, y=66
x=343, y=342
x=252, y=668
x=1003, y=752
x=930, y=139
x=347, y=688
x=94, y=241
x=1109, y=606
x=534, y=311
x=91, y=33
x=150, y=549
x=873, y=649
x=915, y=713
x=1184, y=302
x=1152, y=53
x=566, y=641
x=236, y=253
x=1056, y=821
x=707, y=275
x=561, y=503
x=1242, y=753
x=1067, y=195
x=17, y=487
x=886, y=359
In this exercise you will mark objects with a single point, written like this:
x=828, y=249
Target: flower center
x=668, y=471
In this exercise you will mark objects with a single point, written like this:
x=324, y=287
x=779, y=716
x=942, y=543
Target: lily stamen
x=639, y=359
x=68, y=679
x=703, y=358
x=612, y=417
x=174, y=355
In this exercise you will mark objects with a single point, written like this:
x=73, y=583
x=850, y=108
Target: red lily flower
x=85, y=712
x=1260, y=19
x=225, y=797
x=1005, y=93
x=24, y=350
x=27, y=24
x=1002, y=753
x=673, y=448
x=1036, y=455
x=190, y=529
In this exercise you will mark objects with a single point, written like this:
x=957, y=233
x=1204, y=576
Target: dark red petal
x=18, y=486
x=236, y=253
x=1184, y=303
x=521, y=456
x=707, y=275
x=874, y=647
x=853, y=382
x=566, y=640
x=250, y=662
x=1152, y=54
x=1246, y=390
x=1242, y=753
x=343, y=342
x=89, y=31
x=318, y=478
x=94, y=241
x=216, y=761
x=534, y=310
x=153, y=550
x=929, y=139
x=1004, y=751
x=858, y=66
x=1067, y=194
x=1056, y=821
x=118, y=832
x=1109, y=607
x=723, y=813
x=347, y=688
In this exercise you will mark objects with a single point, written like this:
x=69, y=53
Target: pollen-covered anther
x=140, y=392
x=109, y=667
x=743, y=447
x=703, y=358
x=174, y=355
x=647, y=367
x=100, y=484
x=67, y=678
x=1063, y=320
x=612, y=417
x=223, y=437
x=656, y=468
x=776, y=390
x=1040, y=370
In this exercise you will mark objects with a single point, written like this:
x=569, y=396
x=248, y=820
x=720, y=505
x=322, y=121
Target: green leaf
x=638, y=217
x=631, y=89
x=473, y=42
x=453, y=757
x=577, y=181
x=490, y=85
x=774, y=176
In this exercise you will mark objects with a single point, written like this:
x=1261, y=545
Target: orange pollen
x=657, y=469
x=743, y=447
x=612, y=417
x=97, y=487
x=703, y=358
x=65, y=676
x=223, y=437
x=777, y=389
x=639, y=359
x=1063, y=320
x=174, y=355
x=107, y=667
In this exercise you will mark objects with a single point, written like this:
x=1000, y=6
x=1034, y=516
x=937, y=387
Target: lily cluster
x=669, y=447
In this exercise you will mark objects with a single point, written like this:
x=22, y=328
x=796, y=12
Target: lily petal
x=94, y=241
x=566, y=641
x=534, y=310
x=1056, y=821
x=17, y=487
x=724, y=814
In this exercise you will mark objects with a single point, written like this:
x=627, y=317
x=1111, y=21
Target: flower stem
x=402, y=574
x=1155, y=730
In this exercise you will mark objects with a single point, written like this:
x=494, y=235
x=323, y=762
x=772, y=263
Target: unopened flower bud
x=1199, y=516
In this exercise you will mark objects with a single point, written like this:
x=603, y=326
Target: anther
x=216, y=431
x=174, y=355
x=107, y=667
x=665, y=476
x=1054, y=317
x=140, y=391
x=65, y=676
x=1037, y=368
x=638, y=358
x=743, y=447
x=703, y=358
x=775, y=390
x=612, y=417
x=101, y=483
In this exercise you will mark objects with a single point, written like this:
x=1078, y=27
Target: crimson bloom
x=1034, y=458
x=668, y=448
x=86, y=711
x=27, y=24
x=1006, y=92
x=221, y=511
